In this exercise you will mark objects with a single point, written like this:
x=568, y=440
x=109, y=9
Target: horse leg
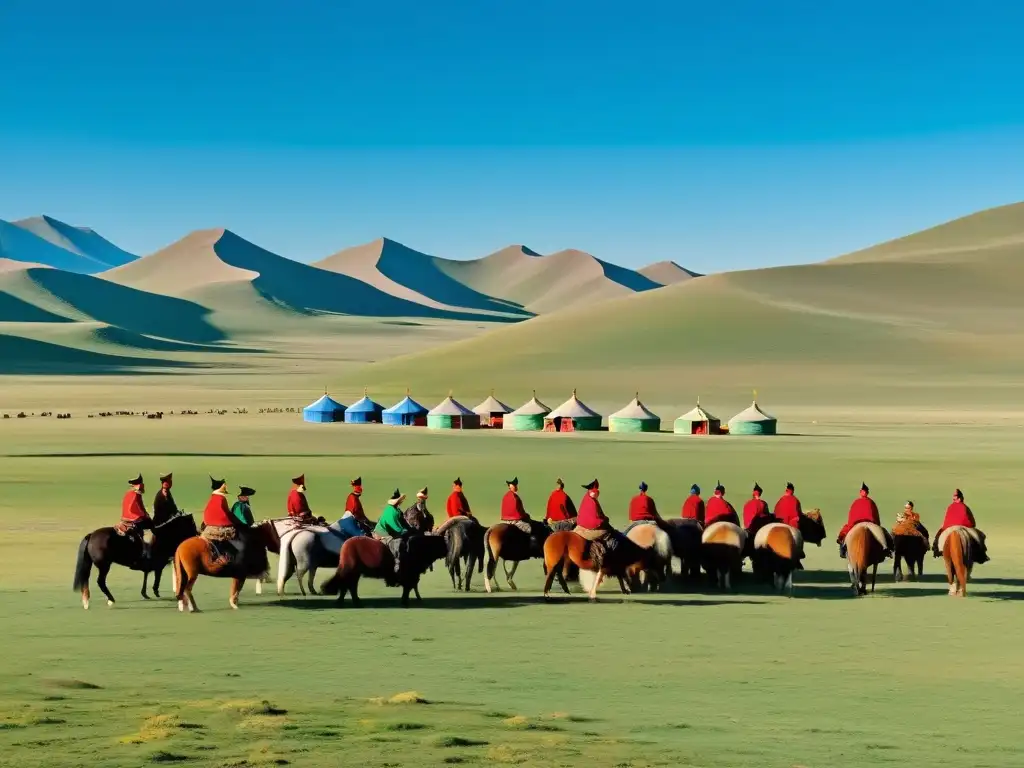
x=874, y=572
x=897, y=570
x=470, y=565
x=157, y=573
x=192, y=607
x=455, y=568
x=312, y=575
x=492, y=566
x=624, y=587
x=353, y=588
x=405, y=595
x=550, y=577
x=416, y=591
x=787, y=584
x=236, y=588
x=598, y=578
x=145, y=578
x=509, y=575
x=259, y=586
x=854, y=577
x=101, y=580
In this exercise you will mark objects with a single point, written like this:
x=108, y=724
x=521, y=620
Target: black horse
x=465, y=542
x=105, y=547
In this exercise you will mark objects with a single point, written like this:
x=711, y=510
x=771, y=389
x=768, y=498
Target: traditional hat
x=217, y=484
x=909, y=504
x=300, y=480
x=695, y=490
x=457, y=482
x=167, y=478
x=354, y=483
x=560, y=483
x=396, y=498
x=422, y=493
x=513, y=481
x=244, y=491
x=136, y=481
x=789, y=487
x=719, y=488
x=757, y=489
x=864, y=489
x=593, y=485
x=959, y=494
x=643, y=487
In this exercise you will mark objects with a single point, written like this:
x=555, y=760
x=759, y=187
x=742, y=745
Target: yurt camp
x=364, y=411
x=324, y=410
x=451, y=414
x=527, y=418
x=572, y=416
x=407, y=413
x=635, y=417
x=698, y=422
x=753, y=421
x=492, y=412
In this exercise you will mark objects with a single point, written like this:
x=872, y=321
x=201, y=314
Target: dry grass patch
x=408, y=697
x=155, y=728
x=251, y=707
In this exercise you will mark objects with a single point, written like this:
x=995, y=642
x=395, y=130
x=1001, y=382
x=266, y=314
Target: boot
x=842, y=550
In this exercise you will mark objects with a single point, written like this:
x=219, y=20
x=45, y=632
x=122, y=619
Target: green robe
x=242, y=513
x=392, y=522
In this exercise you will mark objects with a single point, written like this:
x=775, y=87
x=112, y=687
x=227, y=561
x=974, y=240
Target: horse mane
x=815, y=515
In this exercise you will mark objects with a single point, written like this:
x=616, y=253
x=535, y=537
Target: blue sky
x=721, y=135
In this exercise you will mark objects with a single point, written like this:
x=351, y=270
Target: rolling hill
x=19, y=244
x=668, y=273
x=82, y=241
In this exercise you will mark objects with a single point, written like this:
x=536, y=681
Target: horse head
x=267, y=535
x=812, y=527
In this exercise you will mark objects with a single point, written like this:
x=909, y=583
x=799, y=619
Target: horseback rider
x=593, y=524
x=958, y=513
x=788, y=509
x=220, y=527
x=418, y=514
x=512, y=510
x=164, y=507
x=643, y=509
x=298, y=507
x=908, y=522
x=560, y=507
x=693, y=507
x=719, y=510
x=863, y=510
x=134, y=518
x=241, y=511
x=755, y=512
x=354, y=521
x=392, y=527
x=456, y=508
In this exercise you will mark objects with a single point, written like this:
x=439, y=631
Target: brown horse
x=959, y=546
x=778, y=550
x=362, y=556
x=508, y=543
x=909, y=549
x=866, y=549
x=812, y=527
x=626, y=561
x=722, y=547
x=650, y=535
x=195, y=557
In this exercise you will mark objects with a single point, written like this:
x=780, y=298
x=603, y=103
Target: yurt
x=451, y=414
x=698, y=422
x=572, y=416
x=528, y=417
x=364, y=411
x=407, y=413
x=324, y=410
x=492, y=412
x=635, y=417
x=753, y=421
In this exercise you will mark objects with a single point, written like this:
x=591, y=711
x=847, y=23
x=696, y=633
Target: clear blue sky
x=721, y=135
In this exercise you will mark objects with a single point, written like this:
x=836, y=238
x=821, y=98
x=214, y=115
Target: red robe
x=217, y=511
x=719, y=509
x=958, y=513
x=863, y=510
x=512, y=507
x=132, y=508
x=297, y=504
x=560, y=506
x=642, y=507
x=693, y=509
x=458, y=505
x=788, y=509
x=591, y=515
x=353, y=504
x=753, y=509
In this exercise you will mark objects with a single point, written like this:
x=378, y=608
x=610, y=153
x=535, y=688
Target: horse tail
x=83, y=565
x=285, y=564
x=348, y=560
x=180, y=574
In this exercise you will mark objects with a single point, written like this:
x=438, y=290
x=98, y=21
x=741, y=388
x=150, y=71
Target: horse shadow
x=886, y=577
x=429, y=602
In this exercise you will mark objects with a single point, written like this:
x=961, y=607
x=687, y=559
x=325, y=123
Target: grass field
x=908, y=676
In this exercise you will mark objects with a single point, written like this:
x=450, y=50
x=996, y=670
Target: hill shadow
x=15, y=310
x=627, y=278
x=29, y=357
x=126, y=338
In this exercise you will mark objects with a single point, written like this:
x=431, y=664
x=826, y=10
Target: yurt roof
x=451, y=407
x=533, y=408
x=573, y=409
x=407, y=405
x=698, y=414
x=635, y=410
x=326, y=404
x=491, y=405
x=364, y=405
x=753, y=413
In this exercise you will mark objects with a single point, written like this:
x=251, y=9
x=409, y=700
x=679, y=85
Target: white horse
x=305, y=550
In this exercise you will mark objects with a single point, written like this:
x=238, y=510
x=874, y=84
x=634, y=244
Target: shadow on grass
x=205, y=454
x=476, y=601
x=885, y=577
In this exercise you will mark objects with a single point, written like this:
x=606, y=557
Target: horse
x=465, y=542
x=195, y=557
x=685, y=534
x=507, y=542
x=909, y=549
x=778, y=550
x=812, y=527
x=306, y=549
x=105, y=547
x=625, y=561
x=365, y=556
x=722, y=546
x=649, y=535
x=960, y=548
x=866, y=548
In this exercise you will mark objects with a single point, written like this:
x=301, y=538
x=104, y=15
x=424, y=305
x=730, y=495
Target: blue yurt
x=407, y=413
x=326, y=409
x=364, y=411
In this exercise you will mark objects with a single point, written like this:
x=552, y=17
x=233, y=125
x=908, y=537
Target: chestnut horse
x=626, y=561
x=959, y=546
x=778, y=550
x=866, y=549
x=195, y=557
x=649, y=535
x=364, y=556
x=507, y=542
x=722, y=547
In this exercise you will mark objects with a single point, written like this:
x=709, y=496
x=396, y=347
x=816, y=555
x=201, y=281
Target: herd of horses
x=642, y=559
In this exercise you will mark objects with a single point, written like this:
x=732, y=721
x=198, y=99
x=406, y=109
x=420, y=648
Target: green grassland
x=908, y=676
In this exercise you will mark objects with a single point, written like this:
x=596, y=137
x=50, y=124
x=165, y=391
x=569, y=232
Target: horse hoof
x=181, y=606
x=145, y=596
x=234, y=606
x=156, y=594
x=110, y=603
x=85, y=603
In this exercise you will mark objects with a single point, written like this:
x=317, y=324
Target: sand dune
x=20, y=244
x=79, y=240
x=667, y=273
x=27, y=356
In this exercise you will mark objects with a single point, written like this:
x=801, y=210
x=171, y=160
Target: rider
x=354, y=511
x=592, y=523
x=240, y=510
x=219, y=527
x=392, y=527
x=960, y=514
x=908, y=522
x=457, y=504
x=560, y=507
x=298, y=507
x=788, y=509
x=719, y=510
x=418, y=512
x=643, y=508
x=693, y=507
x=863, y=510
x=164, y=507
x=755, y=512
x=512, y=510
x=134, y=518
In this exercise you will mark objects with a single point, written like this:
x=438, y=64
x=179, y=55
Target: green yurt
x=698, y=422
x=753, y=421
x=634, y=418
x=527, y=418
x=572, y=416
x=451, y=414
